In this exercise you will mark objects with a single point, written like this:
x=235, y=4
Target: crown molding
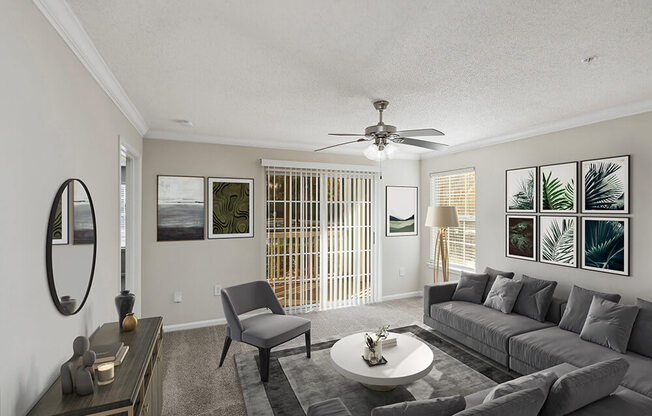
x=65, y=22
x=585, y=119
x=161, y=134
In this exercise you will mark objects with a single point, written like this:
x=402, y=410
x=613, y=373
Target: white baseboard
x=403, y=296
x=222, y=321
x=193, y=325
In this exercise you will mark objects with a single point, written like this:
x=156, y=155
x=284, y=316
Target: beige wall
x=56, y=124
x=194, y=267
x=629, y=135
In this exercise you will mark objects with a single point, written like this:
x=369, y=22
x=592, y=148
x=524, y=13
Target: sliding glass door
x=320, y=237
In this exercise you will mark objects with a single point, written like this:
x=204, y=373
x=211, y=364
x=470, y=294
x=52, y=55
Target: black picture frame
x=535, y=190
x=416, y=212
x=203, y=216
x=576, y=202
x=626, y=245
x=576, y=239
x=582, y=190
x=535, y=238
x=209, y=208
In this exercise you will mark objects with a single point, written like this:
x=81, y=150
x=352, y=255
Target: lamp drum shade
x=442, y=216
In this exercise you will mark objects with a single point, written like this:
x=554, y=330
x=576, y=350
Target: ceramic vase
x=124, y=303
x=129, y=323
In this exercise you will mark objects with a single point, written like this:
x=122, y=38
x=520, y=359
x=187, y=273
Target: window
x=320, y=232
x=456, y=188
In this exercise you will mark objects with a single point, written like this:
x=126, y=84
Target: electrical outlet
x=217, y=291
x=178, y=297
x=401, y=272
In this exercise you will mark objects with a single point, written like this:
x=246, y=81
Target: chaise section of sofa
x=534, y=351
x=481, y=328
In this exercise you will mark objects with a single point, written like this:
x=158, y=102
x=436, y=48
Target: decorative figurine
x=80, y=346
x=84, y=380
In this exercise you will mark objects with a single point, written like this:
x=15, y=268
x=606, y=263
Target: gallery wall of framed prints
x=571, y=214
x=182, y=213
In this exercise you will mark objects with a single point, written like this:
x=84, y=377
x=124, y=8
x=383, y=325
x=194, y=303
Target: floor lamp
x=441, y=217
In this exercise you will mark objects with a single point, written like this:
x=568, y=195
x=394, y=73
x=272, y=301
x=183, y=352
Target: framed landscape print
x=558, y=240
x=558, y=188
x=605, y=185
x=401, y=206
x=60, y=228
x=180, y=208
x=230, y=208
x=521, y=237
x=605, y=245
x=83, y=228
x=521, y=190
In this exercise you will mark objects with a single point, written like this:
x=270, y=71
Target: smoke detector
x=184, y=123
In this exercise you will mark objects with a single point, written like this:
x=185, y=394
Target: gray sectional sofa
x=525, y=345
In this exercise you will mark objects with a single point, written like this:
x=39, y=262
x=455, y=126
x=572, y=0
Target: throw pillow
x=493, y=273
x=541, y=381
x=641, y=341
x=535, y=297
x=503, y=294
x=609, y=324
x=584, y=386
x=470, y=287
x=578, y=305
x=442, y=406
x=521, y=403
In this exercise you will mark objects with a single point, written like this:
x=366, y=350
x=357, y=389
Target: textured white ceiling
x=285, y=73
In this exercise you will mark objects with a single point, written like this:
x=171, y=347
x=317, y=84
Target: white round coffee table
x=408, y=361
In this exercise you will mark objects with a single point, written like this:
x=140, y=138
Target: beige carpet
x=194, y=385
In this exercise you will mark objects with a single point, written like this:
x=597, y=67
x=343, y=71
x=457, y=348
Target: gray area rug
x=296, y=382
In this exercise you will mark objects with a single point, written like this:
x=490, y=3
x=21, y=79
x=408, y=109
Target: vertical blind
x=320, y=237
x=457, y=188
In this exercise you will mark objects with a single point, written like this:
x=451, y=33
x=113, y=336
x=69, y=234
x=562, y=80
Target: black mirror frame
x=48, y=248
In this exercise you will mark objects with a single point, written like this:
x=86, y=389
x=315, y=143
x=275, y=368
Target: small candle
x=105, y=373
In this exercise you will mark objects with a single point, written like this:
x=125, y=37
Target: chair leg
x=225, y=349
x=308, y=343
x=263, y=354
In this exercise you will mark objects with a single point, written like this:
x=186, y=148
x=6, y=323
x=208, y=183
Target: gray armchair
x=263, y=331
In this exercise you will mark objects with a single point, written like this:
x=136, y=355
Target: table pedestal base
x=378, y=388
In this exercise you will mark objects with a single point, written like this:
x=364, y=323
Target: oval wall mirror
x=71, y=246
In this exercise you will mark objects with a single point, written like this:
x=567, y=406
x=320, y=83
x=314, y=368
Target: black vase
x=124, y=303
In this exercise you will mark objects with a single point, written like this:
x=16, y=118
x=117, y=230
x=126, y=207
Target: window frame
x=433, y=201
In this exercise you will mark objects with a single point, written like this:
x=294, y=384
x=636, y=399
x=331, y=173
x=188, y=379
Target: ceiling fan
x=382, y=137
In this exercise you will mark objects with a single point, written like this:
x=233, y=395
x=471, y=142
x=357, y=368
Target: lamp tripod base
x=441, y=254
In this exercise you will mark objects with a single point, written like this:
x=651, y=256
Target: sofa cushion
x=503, y=294
x=542, y=380
x=331, y=407
x=578, y=305
x=478, y=397
x=488, y=326
x=623, y=402
x=609, y=324
x=493, y=273
x=584, y=386
x=640, y=341
x=521, y=403
x=441, y=406
x=551, y=346
x=471, y=287
x=535, y=297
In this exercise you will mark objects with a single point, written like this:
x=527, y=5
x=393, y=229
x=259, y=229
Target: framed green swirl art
x=230, y=208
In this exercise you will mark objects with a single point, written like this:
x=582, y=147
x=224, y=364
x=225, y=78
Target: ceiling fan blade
x=422, y=143
x=420, y=132
x=346, y=134
x=341, y=144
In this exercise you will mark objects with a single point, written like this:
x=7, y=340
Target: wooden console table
x=137, y=387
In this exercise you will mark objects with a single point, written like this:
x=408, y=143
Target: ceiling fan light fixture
x=374, y=153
